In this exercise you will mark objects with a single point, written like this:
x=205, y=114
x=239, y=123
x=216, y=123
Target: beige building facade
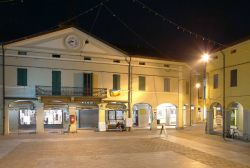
x=228, y=88
x=65, y=80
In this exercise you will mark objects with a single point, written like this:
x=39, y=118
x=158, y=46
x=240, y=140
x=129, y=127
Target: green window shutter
x=56, y=82
x=116, y=82
x=22, y=77
x=142, y=83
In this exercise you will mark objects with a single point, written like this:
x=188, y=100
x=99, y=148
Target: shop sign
x=88, y=103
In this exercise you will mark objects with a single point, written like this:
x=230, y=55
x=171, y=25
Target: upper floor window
x=56, y=56
x=116, y=61
x=116, y=82
x=21, y=77
x=233, y=79
x=216, y=81
x=142, y=63
x=142, y=83
x=233, y=51
x=22, y=53
x=166, y=65
x=166, y=85
x=87, y=58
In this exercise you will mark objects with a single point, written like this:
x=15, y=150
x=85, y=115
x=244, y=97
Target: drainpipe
x=129, y=88
x=190, y=96
x=3, y=74
x=224, y=94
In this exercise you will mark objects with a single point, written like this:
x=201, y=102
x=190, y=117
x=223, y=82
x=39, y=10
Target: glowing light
x=205, y=57
x=197, y=85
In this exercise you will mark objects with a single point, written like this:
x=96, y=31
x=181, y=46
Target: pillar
x=179, y=116
x=101, y=121
x=72, y=113
x=39, y=118
x=6, y=119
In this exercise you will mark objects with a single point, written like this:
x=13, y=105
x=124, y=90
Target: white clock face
x=72, y=42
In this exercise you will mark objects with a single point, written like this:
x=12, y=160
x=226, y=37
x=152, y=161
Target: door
x=88, y=118
x=88, y=84
x=56, y=82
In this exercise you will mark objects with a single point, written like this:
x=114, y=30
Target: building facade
x=68, y=80
x=228, y=90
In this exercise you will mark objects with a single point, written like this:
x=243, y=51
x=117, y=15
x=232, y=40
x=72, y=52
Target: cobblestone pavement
x=127, y=149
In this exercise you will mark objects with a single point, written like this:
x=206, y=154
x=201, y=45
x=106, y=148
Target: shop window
x=116, y=82
x=53, y=117
x=21, y=77
x=27, y=117
x=166, y=85
x=216, y=81
x=142, y=83
x=233, y=80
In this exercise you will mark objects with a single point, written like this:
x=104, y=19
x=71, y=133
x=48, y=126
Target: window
x=142, y=63
x=22, y=53
x=166, y=65
x=233, y=81
x=116, y=61
x=116, y=82
x=88, y=84
x=56, y=56
x=187, y=87
x=216, y=81
x=166, y=85
x=21, y=77
x=233, y=51
x=142, y=83
x=87, y=58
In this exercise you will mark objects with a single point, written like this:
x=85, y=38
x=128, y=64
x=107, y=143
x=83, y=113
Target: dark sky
x=224, y=21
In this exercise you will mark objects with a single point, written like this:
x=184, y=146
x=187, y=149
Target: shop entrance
x=88, y=118
x=166, y=114
x=235, y=117
x=22, y=117
x=216, y=117
x=142, y=115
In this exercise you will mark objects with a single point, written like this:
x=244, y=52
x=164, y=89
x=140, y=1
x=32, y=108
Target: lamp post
x=205, y=59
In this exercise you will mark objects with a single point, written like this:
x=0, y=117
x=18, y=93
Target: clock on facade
x=72, y=42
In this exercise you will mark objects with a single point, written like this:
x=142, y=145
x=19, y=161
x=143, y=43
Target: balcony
x=71, y=91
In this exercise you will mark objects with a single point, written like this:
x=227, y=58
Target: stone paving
x=140, y=149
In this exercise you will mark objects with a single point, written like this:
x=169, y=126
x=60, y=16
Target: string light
x=177, y=26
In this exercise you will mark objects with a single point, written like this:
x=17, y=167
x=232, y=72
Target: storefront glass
x=53, y=117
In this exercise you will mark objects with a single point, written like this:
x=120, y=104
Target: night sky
x=224, y=21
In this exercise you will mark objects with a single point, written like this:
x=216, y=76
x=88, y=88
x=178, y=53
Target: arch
x=22, y=116
x=166, y=114
x=142, y=115
x=216, y=118
x=234, y=117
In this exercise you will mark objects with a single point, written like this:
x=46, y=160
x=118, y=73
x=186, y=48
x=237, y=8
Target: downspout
x=190, y=96
x=224, y=94
x=3, y=73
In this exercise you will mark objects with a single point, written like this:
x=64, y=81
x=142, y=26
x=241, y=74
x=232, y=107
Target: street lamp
x=204, y=58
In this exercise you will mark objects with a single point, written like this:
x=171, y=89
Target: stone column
x=72, y=112
x=101, y=121
x=6, y=123
x=39, y=118
x=179, y=113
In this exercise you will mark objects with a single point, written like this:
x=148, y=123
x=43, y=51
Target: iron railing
x=71, y=91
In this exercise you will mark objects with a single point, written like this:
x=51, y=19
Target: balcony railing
x=71, y=91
